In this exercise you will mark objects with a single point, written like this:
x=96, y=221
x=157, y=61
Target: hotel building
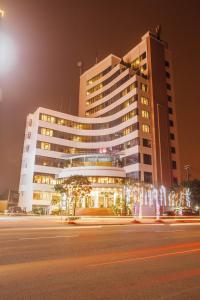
x=126, y=128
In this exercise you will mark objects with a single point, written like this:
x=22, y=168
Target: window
x=145, y=114
x=46, y=131
x=172, y=136
x=143, y=87
x=47, y=118
x=146, y=143
x=170, y=110
x=169, y=98
x=175, y=181
x=168, y=86
x=171, y=123
x=147, y=159
x=135, y=63
x=173, y=150
x=174, y=164
x=167, y=74
x=144, y=100
x=148, y=177
x=167, y=64
x=45, y=146
x=136, y=175
x=131, y=159
x=145, y=128
x=61, y=122
x=143, y=56
x=143, y=67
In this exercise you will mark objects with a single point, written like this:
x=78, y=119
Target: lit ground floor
x=116, y=199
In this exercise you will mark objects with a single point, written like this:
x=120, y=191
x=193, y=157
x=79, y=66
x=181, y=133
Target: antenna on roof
x=80, y=66
x=96, y=57
x=158, y=31
x=61, y=103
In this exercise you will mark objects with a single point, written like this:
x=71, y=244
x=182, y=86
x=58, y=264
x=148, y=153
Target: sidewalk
x=129, y=220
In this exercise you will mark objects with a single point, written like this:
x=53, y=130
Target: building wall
x=122, y=129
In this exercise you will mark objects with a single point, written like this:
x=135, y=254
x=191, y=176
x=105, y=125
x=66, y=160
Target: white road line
x=50, y=228
x=185, y=224
x=145, y=257
x=169, y=230
x=47, y=237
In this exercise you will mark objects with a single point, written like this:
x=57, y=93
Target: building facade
x=126, y=128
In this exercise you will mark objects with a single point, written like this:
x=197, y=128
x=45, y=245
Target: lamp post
x=2, y=13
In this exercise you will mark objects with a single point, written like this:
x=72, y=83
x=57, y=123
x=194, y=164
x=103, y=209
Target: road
x=40, y=258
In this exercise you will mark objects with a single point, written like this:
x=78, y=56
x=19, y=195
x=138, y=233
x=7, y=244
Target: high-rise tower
x=126, y=128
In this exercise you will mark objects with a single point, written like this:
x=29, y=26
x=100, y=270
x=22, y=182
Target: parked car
x=168, y=213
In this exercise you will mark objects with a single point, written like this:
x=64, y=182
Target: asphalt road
x=40, y=258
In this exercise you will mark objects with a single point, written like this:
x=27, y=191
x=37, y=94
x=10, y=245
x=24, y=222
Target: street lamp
x=2, y=13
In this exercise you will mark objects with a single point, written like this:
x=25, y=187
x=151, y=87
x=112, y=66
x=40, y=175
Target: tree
x=62, y=191
x=76, y=188
x=194, y=186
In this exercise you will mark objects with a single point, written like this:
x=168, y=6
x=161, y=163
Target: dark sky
x=49, y=37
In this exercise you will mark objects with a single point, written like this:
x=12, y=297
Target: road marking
x=185, y=224
x=51, y=228
x=47, y=237
x=145, y=257
x=169, y=230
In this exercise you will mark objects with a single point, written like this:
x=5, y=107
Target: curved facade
x=120, y=132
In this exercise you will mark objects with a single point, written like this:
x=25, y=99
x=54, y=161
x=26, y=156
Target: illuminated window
x=144, y=101
x=36, y=195
x=45, y=146
x=145, y=114
x=145, y=128
x=47, y=118
x=133, y=86
x=144, y=87
x=43, y=179
x=95, y=88
x=44, y=117
x=124, y=92
x=47, y=131
x=61, y=122
x=143, y=67
x=135, y=63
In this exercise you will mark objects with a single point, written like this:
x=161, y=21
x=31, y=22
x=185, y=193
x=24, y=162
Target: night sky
x=48, y=37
